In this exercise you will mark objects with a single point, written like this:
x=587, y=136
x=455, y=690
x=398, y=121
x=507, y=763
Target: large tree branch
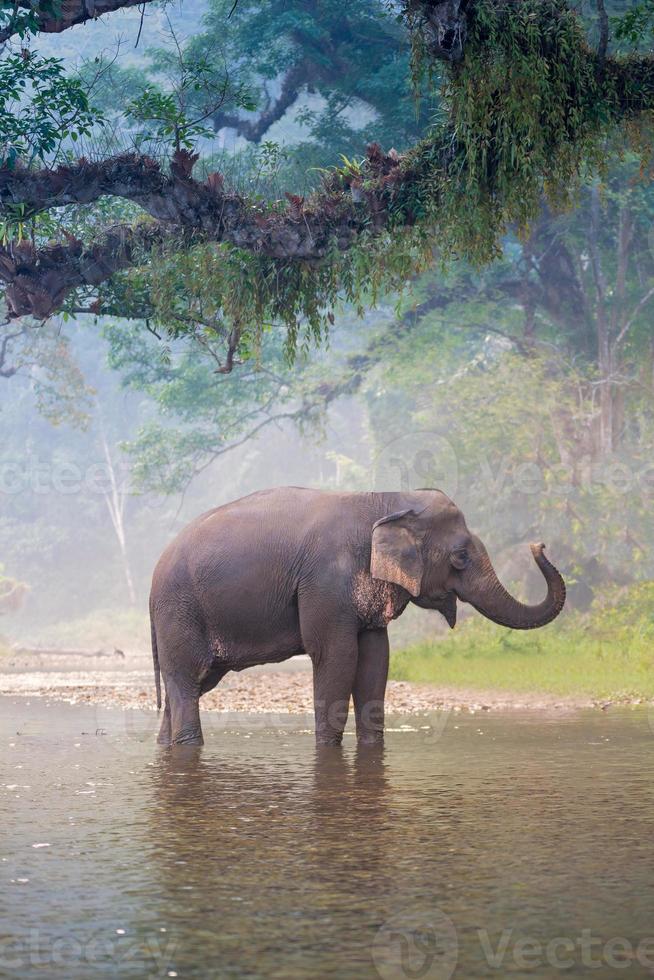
x=305, y=230
x=53, y=18
x=38, y=280
x=351, y=202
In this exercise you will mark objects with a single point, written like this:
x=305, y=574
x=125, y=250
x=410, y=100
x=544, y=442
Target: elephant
x=291, y=571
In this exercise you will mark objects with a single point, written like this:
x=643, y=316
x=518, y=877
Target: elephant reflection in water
x=263, y=821
x=270, y=857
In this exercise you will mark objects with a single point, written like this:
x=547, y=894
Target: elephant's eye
x=460, y=558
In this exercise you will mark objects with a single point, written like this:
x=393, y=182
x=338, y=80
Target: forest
x=375, y=245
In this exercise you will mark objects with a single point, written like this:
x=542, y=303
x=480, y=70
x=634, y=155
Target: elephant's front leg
x=334, y=669
x=370, y=685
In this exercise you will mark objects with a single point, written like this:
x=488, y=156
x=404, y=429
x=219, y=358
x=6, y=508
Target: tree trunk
x=603, y=328
x=115, y=498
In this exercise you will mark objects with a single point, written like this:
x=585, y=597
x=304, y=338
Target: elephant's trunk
x=483, y=590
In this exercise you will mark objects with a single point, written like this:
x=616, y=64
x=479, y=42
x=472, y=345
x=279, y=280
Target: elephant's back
x=261, y=535
x=264, y=513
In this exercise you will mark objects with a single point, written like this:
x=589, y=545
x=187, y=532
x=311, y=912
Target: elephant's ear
x=395, y=555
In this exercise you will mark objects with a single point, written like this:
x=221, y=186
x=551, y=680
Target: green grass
x=607, y=653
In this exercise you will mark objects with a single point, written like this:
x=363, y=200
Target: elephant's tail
x=155, y=658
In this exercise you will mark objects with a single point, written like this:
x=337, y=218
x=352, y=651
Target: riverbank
x=127, y=682
x=597, y=658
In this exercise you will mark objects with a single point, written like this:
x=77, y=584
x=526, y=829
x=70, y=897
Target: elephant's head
x=429, y=551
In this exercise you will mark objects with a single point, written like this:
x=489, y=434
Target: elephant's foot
x=188, y=737
x=370, y=738
x=329, y=739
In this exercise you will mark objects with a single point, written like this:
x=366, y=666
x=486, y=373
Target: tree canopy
x=526, y=107
x=218, y=250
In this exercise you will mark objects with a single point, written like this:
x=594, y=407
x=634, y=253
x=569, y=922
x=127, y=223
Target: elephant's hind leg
x=185, y=662
x=184, y=699
x=164, y=737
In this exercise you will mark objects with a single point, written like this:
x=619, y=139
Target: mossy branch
x=530, y=110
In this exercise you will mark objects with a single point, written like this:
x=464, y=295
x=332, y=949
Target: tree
x=43, y=355
x=202, y=411
x=529, y=105
x=352, y=56
x=60, y=493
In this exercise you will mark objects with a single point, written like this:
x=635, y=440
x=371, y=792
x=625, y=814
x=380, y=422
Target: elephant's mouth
x=447, y=608
x=444, y=604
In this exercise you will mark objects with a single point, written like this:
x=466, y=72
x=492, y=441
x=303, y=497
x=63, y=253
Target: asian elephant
x=290, y=570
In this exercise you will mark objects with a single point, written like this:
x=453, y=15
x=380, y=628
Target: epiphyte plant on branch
x=530, y=105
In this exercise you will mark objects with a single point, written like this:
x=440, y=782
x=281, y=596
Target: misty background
x=523, y=390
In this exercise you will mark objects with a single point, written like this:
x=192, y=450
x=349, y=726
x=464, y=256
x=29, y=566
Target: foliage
x=190, y=89
x=528, y=113
x=503, y=354
x=201, y=412
x=499, y=391
x=43, y=356
x=635, y=25
x=59, y=108
x=606, y=654
x=24, y=20
x=55, y=527
x=503, y=364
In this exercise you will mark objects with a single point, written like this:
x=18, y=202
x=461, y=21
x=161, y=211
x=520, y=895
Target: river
x=478, y=845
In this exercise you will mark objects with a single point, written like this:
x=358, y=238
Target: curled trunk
x=483, y=590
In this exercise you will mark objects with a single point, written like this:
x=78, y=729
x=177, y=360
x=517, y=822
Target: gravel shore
x=127, y=682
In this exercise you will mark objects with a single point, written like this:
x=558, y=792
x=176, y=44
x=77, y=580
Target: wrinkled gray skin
x=290, y=571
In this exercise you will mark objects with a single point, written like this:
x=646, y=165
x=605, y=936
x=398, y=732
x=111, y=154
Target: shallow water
x=485, y=845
